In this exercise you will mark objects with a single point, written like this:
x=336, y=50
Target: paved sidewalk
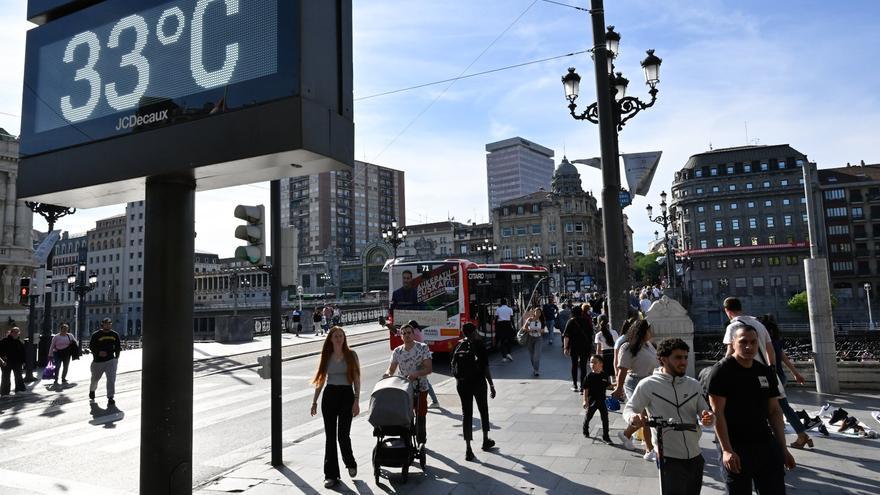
x=536, y=423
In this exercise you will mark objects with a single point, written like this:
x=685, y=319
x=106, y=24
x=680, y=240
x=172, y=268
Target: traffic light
x=254, y=233
x=25, y=291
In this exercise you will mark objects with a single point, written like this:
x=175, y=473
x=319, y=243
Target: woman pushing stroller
x=412, y=360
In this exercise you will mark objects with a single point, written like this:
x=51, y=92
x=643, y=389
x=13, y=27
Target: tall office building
x=516, y=167
x=339, y=213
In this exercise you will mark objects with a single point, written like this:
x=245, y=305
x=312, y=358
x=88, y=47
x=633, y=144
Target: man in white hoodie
x=668, y=393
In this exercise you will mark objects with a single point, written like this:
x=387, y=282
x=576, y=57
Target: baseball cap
x=106, y=320
x=414, y=324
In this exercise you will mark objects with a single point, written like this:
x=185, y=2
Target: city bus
x=443, y=295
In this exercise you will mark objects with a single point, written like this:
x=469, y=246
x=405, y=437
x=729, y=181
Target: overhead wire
x=436, y=98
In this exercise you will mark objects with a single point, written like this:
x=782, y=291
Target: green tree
x=646, y=268
x=798, y=303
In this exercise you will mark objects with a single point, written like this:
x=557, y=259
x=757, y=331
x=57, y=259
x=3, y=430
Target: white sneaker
x=509, y=357
x=434, y=405
x=876, y=415
x=824, y=409
x=626, y=442
x=650, y=456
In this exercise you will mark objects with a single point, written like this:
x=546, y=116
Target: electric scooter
x=660, y=424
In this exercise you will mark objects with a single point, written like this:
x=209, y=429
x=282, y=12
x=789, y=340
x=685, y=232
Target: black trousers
x=504, y=336
x=336, y=409
x=579, y=362
x=682, y=476
x=468, y=392
x=597, y=405
x=762, y=464
x=61, y=359
x=15, y=370
x=608, y=362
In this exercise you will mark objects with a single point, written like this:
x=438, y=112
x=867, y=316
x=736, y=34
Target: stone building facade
x=743, y=230
x=563, y=226
x=16, y=237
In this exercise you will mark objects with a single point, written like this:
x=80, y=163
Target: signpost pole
x=275, y=279
x=166, y=381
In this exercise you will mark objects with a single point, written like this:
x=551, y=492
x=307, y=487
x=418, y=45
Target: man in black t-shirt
x=105, y=347
x=749, y=426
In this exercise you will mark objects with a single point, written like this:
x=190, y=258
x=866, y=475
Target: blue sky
x=796, y=72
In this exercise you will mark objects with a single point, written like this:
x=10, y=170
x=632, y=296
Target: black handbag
x=75, y=351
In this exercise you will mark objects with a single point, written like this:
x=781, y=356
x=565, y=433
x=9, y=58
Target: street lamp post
x=667, y=216
x=868, y=296
x=395, y=236
x=51, y=213
x=611, y=111
x=532, y=257
x=558, y=267
x=487, y=248
x=81, y=285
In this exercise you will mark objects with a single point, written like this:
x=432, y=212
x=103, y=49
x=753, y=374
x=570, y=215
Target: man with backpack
x=470, y=367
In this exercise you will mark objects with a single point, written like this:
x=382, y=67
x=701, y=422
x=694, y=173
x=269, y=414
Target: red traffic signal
x=25, y=291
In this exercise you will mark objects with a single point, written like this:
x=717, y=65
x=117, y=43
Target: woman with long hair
x=782, y=358
x=576, y=344
x=339, y=376
x=632, y=316
x=637, y=359
x=604, y=341
x=535, y=328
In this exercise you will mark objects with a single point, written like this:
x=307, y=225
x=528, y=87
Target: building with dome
x=560, y=229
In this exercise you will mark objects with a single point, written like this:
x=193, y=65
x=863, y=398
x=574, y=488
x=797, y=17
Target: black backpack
x=464, y=362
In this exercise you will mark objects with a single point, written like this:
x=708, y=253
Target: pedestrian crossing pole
x=275, y=320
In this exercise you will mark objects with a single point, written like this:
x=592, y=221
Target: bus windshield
x=489, y=286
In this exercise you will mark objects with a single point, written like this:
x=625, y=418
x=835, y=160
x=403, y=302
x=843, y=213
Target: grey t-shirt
x=642, y=364
x=337, y=373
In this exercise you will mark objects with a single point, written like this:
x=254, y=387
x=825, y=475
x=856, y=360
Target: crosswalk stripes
x=35, y=483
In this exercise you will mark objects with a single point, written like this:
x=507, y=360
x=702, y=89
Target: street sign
x=41, y=254
x=624, y=198
x=228, y=91
x=640, y=168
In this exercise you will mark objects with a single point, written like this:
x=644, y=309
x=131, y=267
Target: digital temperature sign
x=113, y=84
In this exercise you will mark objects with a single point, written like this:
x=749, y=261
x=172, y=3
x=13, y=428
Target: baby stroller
x=394, y=426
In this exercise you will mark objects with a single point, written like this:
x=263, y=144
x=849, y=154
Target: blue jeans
x=431, y=392
x=550, y=329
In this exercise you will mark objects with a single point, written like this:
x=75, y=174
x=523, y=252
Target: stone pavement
x=536, y=423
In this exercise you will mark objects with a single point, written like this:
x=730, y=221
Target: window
x=754, y=241
x=705, y=264
x=857, y=213
x=506, y=253
x=753, y=223
x=721, y=264
x=747, y=167
x=580, y=248
x=536, y=228
x=791, y=260
x=739, y=282
x=783, y=182
x=704, y=244
x=718, y=226
x=757, y=261
x=842, y=266
x=786, y=220
x=835, y=212
x=773, y=261
x=698, y=173
x=737, y=241
x=770, y=222
x=716, y=207
x=701, y=209
x=506, y=231
x=765, y=184
x=733, y=206
x=707, y=284
x=750, y=204
x=520, y=210
x=786, y=201
x=715, y=189
x=771, y=239
x=535, y=208
x=764, y=167
x=719, y=242
x=520, y=230
x=713, y=171
x=739, y=263
x=578, y=227
x=734, y=223
x=749, y=186
x=768, y=203
x=780, y=165
x=569, y=227
x=551, y=227
x=701, y=227
x=699, y=190
x=730, y=170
